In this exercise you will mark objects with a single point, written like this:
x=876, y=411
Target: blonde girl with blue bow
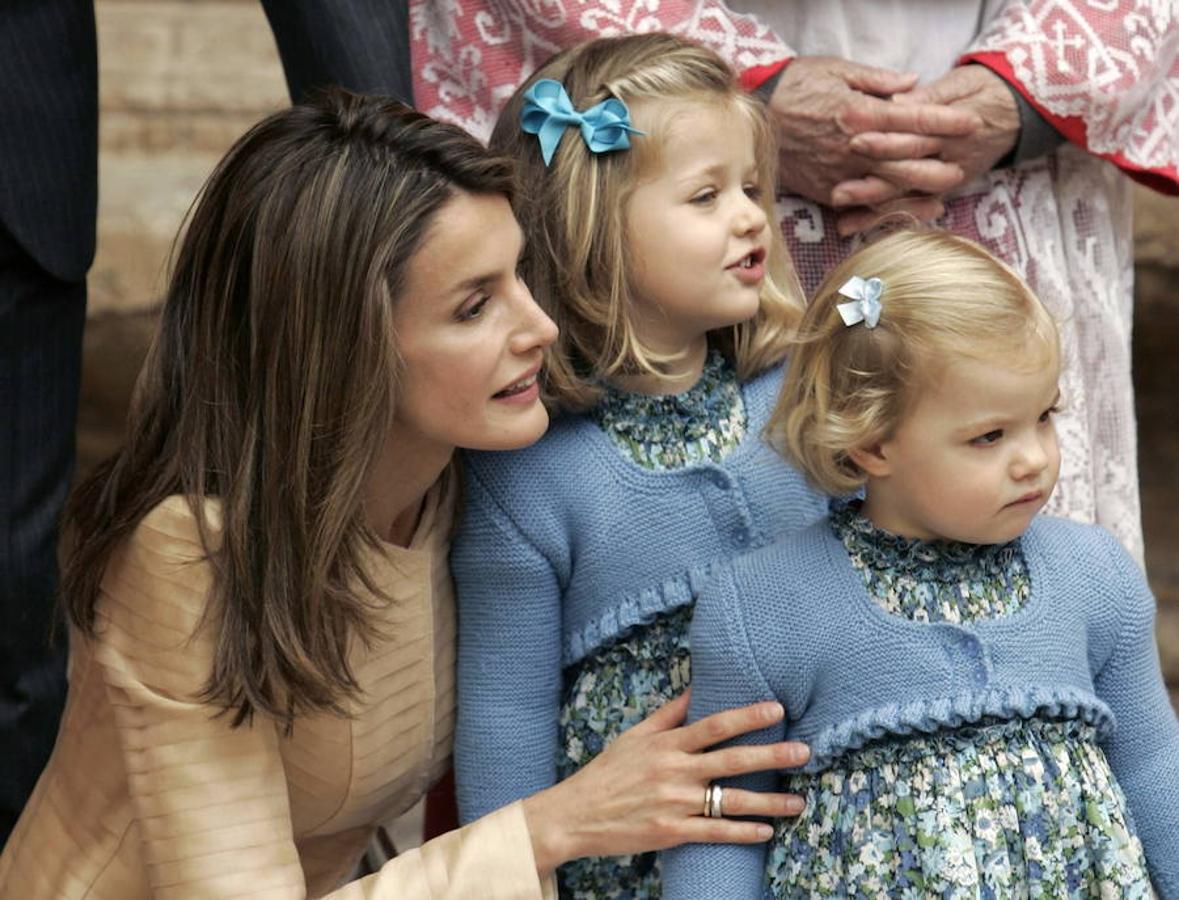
x=978, y=684
x=646, y=200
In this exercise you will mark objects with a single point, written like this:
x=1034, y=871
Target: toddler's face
x=697, y=235
x=977, y=456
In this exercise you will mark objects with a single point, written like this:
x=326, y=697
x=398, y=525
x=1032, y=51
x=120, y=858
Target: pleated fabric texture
x=149, y=793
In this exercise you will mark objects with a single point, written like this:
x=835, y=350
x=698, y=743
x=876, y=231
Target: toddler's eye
x=1047, y=414
x=704, y=197
x=753, y=191
x=991, y=437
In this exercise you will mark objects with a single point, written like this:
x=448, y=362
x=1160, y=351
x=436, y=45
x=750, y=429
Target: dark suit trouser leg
x=362, y=45
x=41, y=321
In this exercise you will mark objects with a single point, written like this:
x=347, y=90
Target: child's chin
x=1010, y=531
x=991, y=533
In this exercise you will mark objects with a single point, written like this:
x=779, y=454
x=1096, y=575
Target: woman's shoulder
x=177, y=534
x=176, y=516
x=160, y=580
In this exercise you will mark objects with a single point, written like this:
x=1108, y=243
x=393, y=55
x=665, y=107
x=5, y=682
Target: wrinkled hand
x=646, y=790
x=971, y=88
x=820, y=103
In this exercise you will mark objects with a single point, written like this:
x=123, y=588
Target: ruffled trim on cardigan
x=635, y=609
x=930, y=715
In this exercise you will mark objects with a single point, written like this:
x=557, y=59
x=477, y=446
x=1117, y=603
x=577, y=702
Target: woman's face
x=470, y=336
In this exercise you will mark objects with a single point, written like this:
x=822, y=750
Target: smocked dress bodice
x=1015, y=807
x=623, y=681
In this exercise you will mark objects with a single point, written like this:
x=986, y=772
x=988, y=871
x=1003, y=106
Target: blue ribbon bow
x=865, y=301
x=548, y=111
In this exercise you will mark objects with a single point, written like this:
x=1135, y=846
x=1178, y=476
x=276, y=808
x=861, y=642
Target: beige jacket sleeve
x=211, y=801
x=490, y=858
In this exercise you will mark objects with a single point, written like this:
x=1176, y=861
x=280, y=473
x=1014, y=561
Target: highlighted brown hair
x=271, y=387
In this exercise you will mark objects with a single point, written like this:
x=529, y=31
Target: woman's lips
x=523, y=390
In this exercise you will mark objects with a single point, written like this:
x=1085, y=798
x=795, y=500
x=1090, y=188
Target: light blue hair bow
x=548, y=111
x=865, y=301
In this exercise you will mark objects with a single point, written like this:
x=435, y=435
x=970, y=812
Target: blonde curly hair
x=850, y=386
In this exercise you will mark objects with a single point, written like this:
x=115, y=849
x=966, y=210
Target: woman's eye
x=991, y=437
x=474, y=309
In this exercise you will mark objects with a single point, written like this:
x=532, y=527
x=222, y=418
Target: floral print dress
x=622, y=682
x=1013, y=808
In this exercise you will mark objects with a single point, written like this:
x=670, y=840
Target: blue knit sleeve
x=1144, y=747
x=509, y=663
x=724, y=675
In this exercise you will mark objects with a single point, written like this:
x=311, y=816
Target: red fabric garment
x=468, y=57
x=1062, y=221
x=755, y=76
x=1104, y=75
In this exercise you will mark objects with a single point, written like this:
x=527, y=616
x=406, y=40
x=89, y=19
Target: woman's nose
x=534, y=329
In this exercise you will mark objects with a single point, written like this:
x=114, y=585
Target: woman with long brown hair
x=262, y=619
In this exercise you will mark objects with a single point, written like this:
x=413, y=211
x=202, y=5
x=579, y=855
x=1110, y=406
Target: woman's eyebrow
x=476, y=281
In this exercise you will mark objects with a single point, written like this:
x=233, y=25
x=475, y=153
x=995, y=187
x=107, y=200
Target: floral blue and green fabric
x=667, y=431
x=1013, y=808
x=623, y=682
x=607, y=693
x=933, y=581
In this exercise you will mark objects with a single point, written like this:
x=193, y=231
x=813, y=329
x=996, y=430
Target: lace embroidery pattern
x=1063, y=222
x=469, y=57
x=1115, y=65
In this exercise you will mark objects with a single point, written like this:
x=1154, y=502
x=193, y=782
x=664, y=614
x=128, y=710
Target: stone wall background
x=180, y=79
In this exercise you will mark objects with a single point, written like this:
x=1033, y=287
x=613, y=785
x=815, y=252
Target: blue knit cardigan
x=794, y=621
x=564, y=545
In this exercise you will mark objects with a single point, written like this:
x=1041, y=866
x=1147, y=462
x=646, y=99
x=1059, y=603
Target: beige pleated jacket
x=150, y=794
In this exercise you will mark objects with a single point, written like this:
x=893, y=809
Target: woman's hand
x=646, y=790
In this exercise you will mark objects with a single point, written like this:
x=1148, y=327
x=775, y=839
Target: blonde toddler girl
x=979, y=685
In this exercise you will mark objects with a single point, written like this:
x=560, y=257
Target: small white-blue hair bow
x=865, y=301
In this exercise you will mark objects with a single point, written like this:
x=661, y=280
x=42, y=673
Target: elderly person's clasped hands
x=869, y=141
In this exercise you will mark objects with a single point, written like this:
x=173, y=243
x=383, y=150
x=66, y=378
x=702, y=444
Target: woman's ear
x=871, y=458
